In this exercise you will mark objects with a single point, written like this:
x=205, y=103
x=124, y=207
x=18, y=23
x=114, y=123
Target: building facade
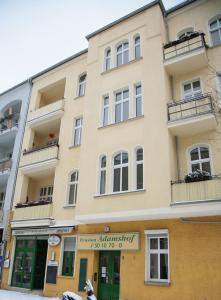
x=13, y=111
x=119, y=177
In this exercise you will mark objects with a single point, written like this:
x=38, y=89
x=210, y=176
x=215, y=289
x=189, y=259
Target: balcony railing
x=185, y=45
x=199, y=105
x=193, y=192
x=5, y=165
x=33, y=210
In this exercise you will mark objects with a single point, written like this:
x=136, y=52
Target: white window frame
x=122, y=53
x=215, y=18
x=185, y=32
x=62, y=254
x=47, y=195
x=192, y=94
x=199, y=161
x=137, y=44
x=107, y=59
x=76, y=183
x=138, y=162
x=120, y=166
x=77, y=141
x=82, y=85
x=105, y=107
x=136, y=96
x=121, y=102
x=158, y=233
x=100, y=170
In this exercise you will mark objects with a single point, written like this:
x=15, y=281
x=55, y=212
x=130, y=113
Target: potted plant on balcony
x=197, y=175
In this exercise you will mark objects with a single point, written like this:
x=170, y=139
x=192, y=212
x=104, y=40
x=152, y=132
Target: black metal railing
x=182, y=46
x=198, y=105
x=49, y=144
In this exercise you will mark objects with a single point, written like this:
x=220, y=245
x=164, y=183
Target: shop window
x=120, y=172
x=139, y=169
x=157, y=252
x=200, y=159
x=68, y=256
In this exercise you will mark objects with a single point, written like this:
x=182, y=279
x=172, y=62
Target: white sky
x=35, y=34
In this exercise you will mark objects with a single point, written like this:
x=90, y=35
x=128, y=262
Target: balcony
x=191, y=116
x=5, y=167
x=39, y=159
x=48, y=113
x=36, y=213
x=196, y=192
x=185, y=55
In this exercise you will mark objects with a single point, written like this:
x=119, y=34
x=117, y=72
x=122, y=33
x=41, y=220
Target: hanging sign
x=109, y=241
x=54, y=240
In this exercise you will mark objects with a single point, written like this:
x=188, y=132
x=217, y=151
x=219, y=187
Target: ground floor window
x=157, y=254
x=68, y=256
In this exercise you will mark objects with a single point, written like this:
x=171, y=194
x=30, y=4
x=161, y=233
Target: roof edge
x=15, y=87
x=179, y=6
x=133, y=13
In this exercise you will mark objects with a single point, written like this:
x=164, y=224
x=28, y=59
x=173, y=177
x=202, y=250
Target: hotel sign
x=109, y=241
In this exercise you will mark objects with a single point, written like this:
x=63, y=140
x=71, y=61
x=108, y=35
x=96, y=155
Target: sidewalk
x=9, y=295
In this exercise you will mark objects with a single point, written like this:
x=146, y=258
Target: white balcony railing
x=33, y=212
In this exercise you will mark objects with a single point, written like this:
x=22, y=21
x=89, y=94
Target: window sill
x=74, y=146
x=78, y=97
x=122, y=122
x=119, y=67
x=161, y=283
x=119, y=193
x=69, y=206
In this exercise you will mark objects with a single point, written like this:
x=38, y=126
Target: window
x=107, y=60
x=139, y=169
x=68, y=257
x=121, y=106
x=123, y=54
x=219, y=83
x=200, y=159
x=2, y=198
x=120, y=182
x=103, y=172
x=77, y=131
x=215, y=31
x=137, y=52
x=46, y=193
x=192, y=89
x=138, y=100
x=73, y=187
x=82, y=85
x=157, y=268
x=105, y=111
x=185, y=33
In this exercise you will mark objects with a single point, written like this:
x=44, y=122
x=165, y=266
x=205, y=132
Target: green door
x=109, y=275
x=24, y=263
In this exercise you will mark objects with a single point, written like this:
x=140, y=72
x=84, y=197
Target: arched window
x=73, y=187
x=120, y=172
x=137, y=52
x=215, y=31
x=139, y=169
x=82, y=85
x=200, y=159
x=185, y=33
x=107, y=59
x=103, y=172
x=123, y=54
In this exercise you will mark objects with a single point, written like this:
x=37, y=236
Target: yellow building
x=103, y=190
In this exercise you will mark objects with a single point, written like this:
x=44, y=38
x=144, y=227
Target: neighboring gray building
x=13, y=112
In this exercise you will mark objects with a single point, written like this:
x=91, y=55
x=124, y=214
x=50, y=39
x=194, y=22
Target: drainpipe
x=14, y=183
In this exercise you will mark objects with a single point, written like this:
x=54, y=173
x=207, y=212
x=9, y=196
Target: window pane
x=103, y=162
x=213, y=25
x=187, y=87
x=138, y=89
x=126, y=94
x=73, y=176
x=204, y=152
x=105, y=116
x=106, y=100
x=126, y=57
x=163, y=243
x=124, y=158
x=138, y=106
x=194, y=154
x=139, y=176
x=116, y=180
x=215, y=37
x=69, y=243
x=77, y=137
x=118, y=97
x=126, y=110
x=153, y=266
x=71, y=194
x=153, y=243
x=206, y=167
x=117, y=113
x=196, y=85
x=139, y=154
x=163, y=266
x=124, y=178
x=117, y=159
x=119, y=59
x=102, y=182
x=195, y=167
x=68, y=263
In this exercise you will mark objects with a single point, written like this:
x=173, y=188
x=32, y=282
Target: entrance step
x=25, y=291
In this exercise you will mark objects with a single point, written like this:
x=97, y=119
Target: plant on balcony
x=197, y=175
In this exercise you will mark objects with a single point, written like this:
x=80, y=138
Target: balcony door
x=192, y=89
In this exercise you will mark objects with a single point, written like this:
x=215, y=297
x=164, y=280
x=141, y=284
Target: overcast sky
x=35, y=34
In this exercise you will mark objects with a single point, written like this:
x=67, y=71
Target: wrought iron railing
x=49, y=144
x=182, y=46
x=198, y=105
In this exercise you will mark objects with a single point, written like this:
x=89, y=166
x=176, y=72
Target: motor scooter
x=72, y=296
